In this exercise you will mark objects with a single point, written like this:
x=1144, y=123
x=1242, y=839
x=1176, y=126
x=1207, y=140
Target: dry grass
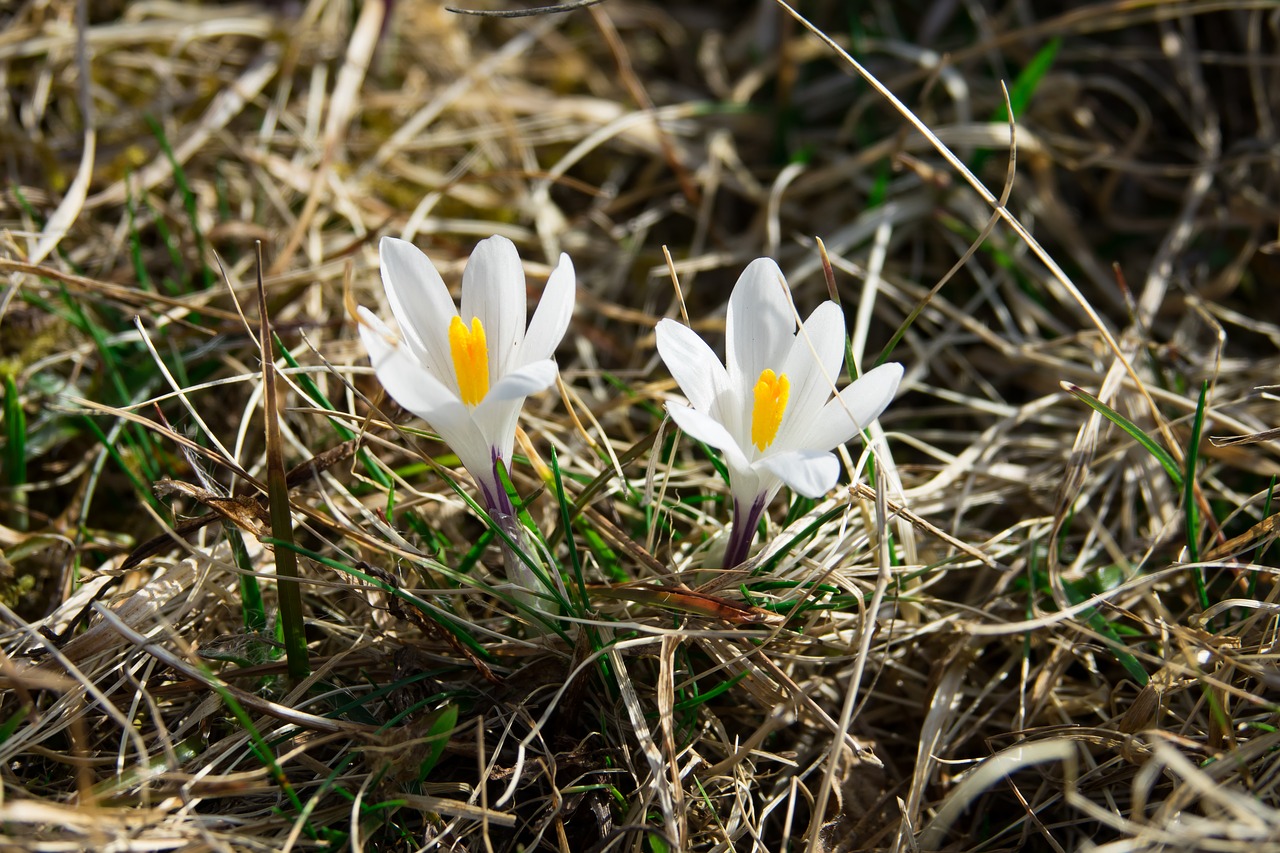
x=1016, y=637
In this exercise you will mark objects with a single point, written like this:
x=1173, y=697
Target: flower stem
x=496, y=500
x=743, y=531
x=515, y=544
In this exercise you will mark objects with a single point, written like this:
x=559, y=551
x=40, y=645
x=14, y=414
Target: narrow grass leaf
x=1083, y=590
x=188, y=200
x=475, y=552
x=312, y=390
x=253, y=608
x=606, y=556
x=442, y=725
x=562, y=503
x=697, y=700
x=770, y=565
x=602, y=480
x=527, y=549
x=1135, y=432
x=9, y=726
x=1020, y=93
x=436, y=615
x=15, y=452
x=287, y=583
x=113, y=452
x=139, y=441
x=135, y=240
x=1189, y=505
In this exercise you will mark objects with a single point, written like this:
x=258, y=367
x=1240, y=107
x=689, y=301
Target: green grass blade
x=312, y=390
x=605, y=477
x=1114, y=642
x=527, y=550
x=1135, y=432
x=1026, y=83
x=15, y=452
x=701, y=698
x=606, y=558
x=141, y=442
x=1189, y=505
x=188, y=200
x=562, y=502
x=769, y=566
x=442, y=725
x=258, y=745
x=114, y=454
x=253, y=608
x=279, y=508
x=1020, y=93
x=135, y=239
x=9, y=726
x=435, y=614
x=475, y=552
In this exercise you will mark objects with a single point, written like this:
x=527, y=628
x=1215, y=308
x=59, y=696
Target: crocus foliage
x=467, y=372
x=769, y=408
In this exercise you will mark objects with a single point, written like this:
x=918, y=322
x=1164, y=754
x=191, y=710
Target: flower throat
x=771, y=394
x=470, y=360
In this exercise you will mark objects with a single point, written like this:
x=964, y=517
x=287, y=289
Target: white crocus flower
x=467, y=373
x=769, y=408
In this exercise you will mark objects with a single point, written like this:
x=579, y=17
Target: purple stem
x=498, y=504
x=496, y=499
x=743, y=532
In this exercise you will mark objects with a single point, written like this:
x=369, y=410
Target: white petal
x=551, y=317
x=412, y=386
x=854, y=408
x=816, y=357
x=813, y=368
x=747, y=485
x=477, y=455
x=760, y=325
x=519, y=384
x=691, y=362
x=499, y=428
x=493, y=290
x=419, y=299
x=497, y=415
x=709, y=431
x=406, y=379
x=810, y=473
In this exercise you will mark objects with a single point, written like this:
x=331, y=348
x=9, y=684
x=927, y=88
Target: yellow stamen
x=470, y=359
x=771, y=401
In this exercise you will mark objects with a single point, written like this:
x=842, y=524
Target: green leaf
x=288, y=585
x=9, y=726
x=442, y=725
x=188, y=199
x=1080, y=591
x=15, y=451
x=439, y=616
x=1189, y=505
x=1026, y=83
x=1020, y=93
x=312, y=390
x=562, y=502
x=1135, y=432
